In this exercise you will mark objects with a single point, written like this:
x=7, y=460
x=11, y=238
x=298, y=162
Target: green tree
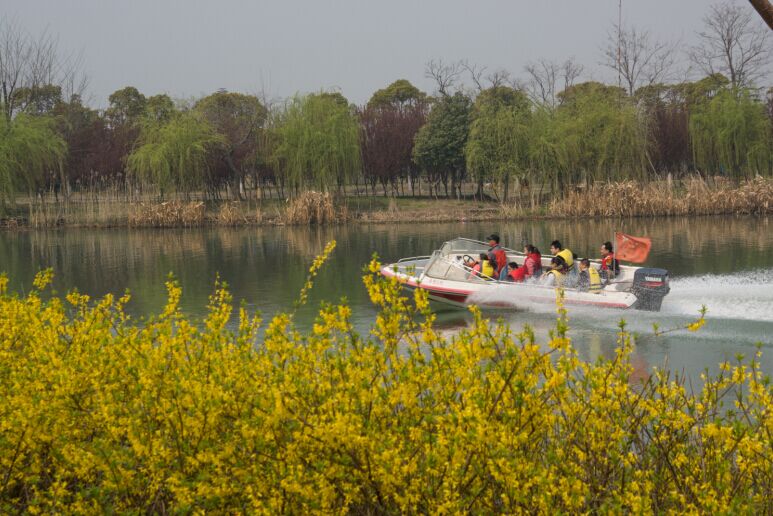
x=731, y=135
x=127, y=105
x=30, y=149
x=237, y=118
x=319, y=142
x=159, y=107
x=498, y=144
x=400, y=93
x=440, y=143
x=175, y=154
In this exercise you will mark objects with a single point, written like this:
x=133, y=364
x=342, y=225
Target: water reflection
x=266, y=267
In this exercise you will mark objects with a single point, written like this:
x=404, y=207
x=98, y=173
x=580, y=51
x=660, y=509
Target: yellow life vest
x=595, y=280
x=558, y=275
x=487, y=269
x=566, y=254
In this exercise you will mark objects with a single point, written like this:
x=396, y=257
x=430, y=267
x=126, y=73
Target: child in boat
x=483, y=267
x=588, y=277
x=557, y=273
x=515, y=273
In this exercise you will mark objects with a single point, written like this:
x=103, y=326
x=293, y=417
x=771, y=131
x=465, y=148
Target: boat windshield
x=463, y=246
x=450, y=267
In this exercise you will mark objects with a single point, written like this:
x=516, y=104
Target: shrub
x=102, y=414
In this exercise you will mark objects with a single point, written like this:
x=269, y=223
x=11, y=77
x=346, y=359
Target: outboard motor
x=650, y=286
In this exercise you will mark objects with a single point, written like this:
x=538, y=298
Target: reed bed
x=231, y=214
x=694, y=196
x=168, y=214
x=313, y=208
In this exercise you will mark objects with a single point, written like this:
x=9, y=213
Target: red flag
x=632, y=249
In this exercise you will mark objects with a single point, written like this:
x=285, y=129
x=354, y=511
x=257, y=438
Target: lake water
x=725, y=263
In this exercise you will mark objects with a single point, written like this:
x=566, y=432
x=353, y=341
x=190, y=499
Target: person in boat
x=497, y=257
x=588, y=277
x=610, y=267
x=556, y=275
x=558, y=250
x=533, y=261
x=570, y=280
x=515, y=273
x=483, y=267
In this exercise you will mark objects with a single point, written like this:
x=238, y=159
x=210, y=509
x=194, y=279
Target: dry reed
x=695, y=196
x=168, y=214
x=312, y=208
x=231, y=214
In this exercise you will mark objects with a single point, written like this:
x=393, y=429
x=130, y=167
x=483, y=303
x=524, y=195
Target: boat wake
x=744, y=295
x=740, y=296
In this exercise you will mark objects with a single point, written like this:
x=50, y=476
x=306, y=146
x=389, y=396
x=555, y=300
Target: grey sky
x=191, y=48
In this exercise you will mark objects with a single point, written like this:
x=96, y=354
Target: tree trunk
x=765, y=9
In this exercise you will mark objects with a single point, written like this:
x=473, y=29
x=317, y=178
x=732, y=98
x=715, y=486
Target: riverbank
x=622, y=199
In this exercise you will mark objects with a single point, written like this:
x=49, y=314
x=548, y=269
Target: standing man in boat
x=497, y=256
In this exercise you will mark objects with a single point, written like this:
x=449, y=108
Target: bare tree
x=734, y=44
x=499, y=77
x=546, y=77
x=445, y=75
x=638, y=58
x=28, y=63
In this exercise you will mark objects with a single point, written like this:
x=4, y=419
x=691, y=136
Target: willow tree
x=603, y=134
x=498, y=144
x=319, y=142
x=549, y=152
x=30, y=149
x=175, y=154
x=731, y=135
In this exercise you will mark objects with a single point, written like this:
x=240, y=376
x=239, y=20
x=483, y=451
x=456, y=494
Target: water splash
x=505, y=297
x=744, y=296
x=741, y=296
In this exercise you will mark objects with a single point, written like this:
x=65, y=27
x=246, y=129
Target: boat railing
x=414, y=259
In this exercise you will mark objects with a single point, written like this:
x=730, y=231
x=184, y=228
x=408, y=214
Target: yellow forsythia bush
x=102, y=414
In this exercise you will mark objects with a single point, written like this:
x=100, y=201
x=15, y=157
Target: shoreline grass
x=695, y=196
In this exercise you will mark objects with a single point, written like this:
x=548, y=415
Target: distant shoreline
x=613, y=200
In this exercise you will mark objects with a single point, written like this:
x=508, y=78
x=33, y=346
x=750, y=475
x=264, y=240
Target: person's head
x=483, y=256
x=529, y=249
x=584, y=264
x=493, y=239
x=606, y=248
x=557, y=263
x=555, y=246
x=512, y=265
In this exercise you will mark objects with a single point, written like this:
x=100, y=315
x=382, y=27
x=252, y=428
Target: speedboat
x=447, y=279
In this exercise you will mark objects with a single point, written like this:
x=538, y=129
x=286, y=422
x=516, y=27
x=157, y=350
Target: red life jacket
x=533, y=264
x=606, y=262
x=518, y=274
x=500, y=258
